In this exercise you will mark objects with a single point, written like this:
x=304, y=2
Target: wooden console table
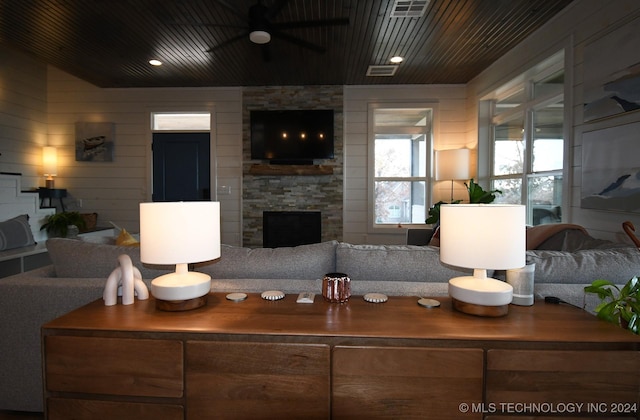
x=282, y=359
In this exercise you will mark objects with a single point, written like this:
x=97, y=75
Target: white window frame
x=372, y=227
x=488, y=120
x=204, y=128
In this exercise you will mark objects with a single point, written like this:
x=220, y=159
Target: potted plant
x=620, y=306
x=477, y=195
x=58, y=224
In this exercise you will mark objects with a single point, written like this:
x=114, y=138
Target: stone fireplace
x=293, y=192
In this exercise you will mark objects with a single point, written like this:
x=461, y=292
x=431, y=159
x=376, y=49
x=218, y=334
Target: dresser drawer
x=601, y=382
x=64, y=408
x=404, y=382
x=114, y=366
x=257, y=380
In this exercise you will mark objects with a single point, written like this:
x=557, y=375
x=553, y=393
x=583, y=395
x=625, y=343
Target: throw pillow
x=16, y=233
x=435, y=238
x=125, y=239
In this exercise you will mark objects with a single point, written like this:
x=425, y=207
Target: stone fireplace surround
x=314, y=192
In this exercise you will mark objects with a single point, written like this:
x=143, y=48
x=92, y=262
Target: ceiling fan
x=260, y=29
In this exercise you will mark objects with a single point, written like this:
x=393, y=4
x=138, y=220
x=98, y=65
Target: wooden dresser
x=282, y=359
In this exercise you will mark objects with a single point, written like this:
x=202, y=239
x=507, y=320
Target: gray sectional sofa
x=80, y=269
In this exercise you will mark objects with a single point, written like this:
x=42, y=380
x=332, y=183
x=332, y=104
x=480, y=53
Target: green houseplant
x=620, y=306
x=477, y=195
x=58, y=224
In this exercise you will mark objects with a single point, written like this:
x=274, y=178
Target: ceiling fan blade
x=276, y=8
x=228, y=41
x=298, y=41
x=232, y=9
x=208, y=25
x=311, y=23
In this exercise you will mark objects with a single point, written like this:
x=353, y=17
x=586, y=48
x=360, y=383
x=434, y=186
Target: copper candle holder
x=336, y=287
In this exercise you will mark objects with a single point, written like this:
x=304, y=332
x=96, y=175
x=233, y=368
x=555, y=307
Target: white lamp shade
x=452, y=164
x=179, y=232
x=49, y=161
x=483, y=236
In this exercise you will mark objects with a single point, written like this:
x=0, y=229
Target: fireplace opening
x=290, y=228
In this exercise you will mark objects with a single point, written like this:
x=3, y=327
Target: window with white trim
x=401, y=141
x=180, y=121
x=527, y=142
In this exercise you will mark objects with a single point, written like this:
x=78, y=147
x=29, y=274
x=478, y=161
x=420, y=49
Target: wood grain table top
x=398, y=318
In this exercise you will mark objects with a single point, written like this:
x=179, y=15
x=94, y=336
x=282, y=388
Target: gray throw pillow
x=16, y=233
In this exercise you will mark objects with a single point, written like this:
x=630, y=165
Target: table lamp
x=452, y=164
x=482, y=236
x=49, y=165
x=180, y=233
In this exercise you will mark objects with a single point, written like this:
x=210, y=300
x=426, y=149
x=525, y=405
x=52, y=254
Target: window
x=400, y=150
x=180, y=121
x=527, y=141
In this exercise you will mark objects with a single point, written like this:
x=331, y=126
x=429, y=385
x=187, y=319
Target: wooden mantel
x=300, y=170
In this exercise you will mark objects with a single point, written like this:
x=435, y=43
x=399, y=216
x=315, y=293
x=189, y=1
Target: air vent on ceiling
x=385, y=70
x=409, y=8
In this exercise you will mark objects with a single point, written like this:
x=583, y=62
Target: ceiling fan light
x=259, y=37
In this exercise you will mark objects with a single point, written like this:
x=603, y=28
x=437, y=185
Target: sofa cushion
x=76, y=258
x=301, y=262
x=584, y=266
x=16, y=233
x=394, y=263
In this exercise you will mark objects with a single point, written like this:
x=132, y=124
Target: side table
x=51, y=193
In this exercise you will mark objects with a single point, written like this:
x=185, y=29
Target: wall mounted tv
x=292, y=136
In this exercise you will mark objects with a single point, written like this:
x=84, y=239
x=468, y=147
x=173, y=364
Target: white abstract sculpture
x=131, y=280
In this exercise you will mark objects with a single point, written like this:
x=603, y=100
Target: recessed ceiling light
x=396, y=59
x=155, y=62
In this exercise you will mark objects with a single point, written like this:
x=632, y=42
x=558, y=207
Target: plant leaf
x=608, y=312
x=477, y=195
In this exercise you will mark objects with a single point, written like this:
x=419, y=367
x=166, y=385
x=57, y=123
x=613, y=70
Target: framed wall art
x=612, y=73
x=94, y=141
x=611, y=169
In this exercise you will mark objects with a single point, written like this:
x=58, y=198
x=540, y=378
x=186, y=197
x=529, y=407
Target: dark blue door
x=181, y=167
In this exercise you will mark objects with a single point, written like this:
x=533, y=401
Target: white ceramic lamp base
x=181, y=291
x=479, y=295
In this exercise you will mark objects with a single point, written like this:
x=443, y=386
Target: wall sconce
x=452, y=164
x=482, y=237
x=49, y=165
x=180, y=233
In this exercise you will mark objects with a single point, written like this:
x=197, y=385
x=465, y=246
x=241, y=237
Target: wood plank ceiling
x=109, y=42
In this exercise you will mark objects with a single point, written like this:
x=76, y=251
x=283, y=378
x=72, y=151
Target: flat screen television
x=292, y=136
